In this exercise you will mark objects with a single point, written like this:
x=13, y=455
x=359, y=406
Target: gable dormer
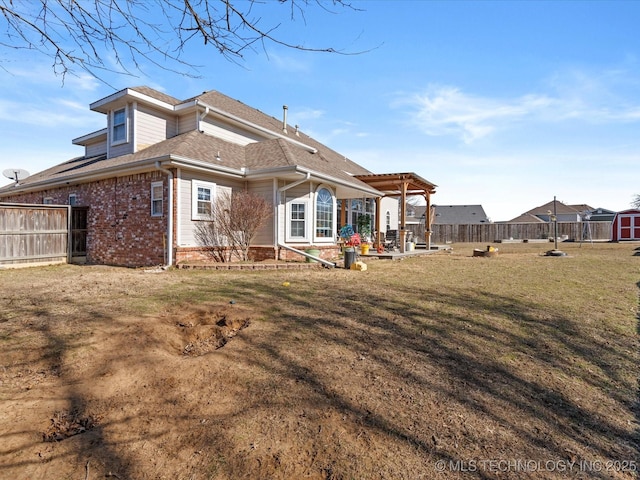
x=136, y=118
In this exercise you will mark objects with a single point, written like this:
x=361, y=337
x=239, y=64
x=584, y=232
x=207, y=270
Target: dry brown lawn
x=445, y=366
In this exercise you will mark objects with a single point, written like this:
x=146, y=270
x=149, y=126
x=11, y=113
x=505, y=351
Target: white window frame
x=288, y=236
x=154, y=185
x=115, y=141
x=194, y=198
x=332, y=238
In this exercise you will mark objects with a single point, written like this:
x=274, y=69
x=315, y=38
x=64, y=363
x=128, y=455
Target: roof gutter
x=306, y=171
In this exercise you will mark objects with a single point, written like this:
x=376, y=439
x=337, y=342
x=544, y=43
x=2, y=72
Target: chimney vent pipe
x=284, y=118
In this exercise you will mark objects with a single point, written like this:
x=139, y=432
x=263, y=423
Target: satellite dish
x=15, y=174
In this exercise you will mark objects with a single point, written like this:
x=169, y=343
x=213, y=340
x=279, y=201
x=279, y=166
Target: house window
x=324, y=214
x=48, y=200
x=73, y=200
x=297, y=224
x=388, y=219
x=119, y=126
x=157, y=192
x=202, y=195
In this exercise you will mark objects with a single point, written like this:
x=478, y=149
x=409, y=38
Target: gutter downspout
x=284, y=188
x=326, y=263
x=169, y=215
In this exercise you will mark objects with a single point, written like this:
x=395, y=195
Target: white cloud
x=447, y=110
x=42, y=115
x=572, y=95
x=288, y=63
x=308, y=114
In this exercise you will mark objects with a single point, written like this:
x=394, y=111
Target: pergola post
x=427, y=220
x=403, y=216
x=379, y=238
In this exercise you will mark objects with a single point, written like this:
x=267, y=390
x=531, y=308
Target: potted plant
x=364, y=228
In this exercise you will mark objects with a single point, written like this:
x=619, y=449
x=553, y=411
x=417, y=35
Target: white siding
x=152, y=127
x=95, y=149
x=228, y=132
x=186, y=233
x=300, y=192
x=187, y=123
x=391, y=205
x=122, y=148
x=265, y=190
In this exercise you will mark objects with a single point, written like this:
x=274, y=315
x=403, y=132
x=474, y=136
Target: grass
x=342, y=374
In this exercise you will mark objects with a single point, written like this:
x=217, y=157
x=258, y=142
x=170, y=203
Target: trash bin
x=349, y=257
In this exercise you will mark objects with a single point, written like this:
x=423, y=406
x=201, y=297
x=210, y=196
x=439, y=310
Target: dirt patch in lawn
x=325, y=374
x=204, y=330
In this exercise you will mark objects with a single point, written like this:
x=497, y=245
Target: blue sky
x=503, y=104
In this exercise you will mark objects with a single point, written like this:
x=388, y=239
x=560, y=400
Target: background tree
x=233, y=223
x=636, y=201
x=91, y=35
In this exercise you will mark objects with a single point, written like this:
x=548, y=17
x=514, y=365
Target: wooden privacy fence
x=34, y=233
x=491, y=232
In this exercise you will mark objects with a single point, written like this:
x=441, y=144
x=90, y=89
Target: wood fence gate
x=31, y=234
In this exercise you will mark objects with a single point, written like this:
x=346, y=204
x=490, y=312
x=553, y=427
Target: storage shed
x=626, y=225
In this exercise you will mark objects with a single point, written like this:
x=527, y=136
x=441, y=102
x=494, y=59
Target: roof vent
x=284, y=118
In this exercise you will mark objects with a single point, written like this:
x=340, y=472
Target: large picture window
x=325, y=208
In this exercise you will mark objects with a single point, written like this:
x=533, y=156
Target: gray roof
x=459, y=214
x=539, y=214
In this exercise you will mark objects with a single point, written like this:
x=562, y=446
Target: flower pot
x=312, y=251
x=364, y=249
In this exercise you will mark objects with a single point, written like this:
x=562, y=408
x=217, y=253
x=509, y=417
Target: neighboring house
x=147, y=179
x=601, y=215
x=564, y=213
x=459, y=214
x=626, y=225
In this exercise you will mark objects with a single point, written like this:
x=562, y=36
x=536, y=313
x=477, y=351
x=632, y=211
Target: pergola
x=401, y=185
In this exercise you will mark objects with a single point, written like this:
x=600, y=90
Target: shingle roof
x=560, y=208
x=459, y=214
x=526, y=218
x=150, y=92
x=201, y=147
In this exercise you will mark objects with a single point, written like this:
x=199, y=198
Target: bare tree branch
x=123, y=35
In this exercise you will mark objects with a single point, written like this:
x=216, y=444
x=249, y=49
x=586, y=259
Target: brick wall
x=326, y=253
x=121, y=230
x=256, y=254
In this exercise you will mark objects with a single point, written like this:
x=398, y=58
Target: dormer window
x=119, y=126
